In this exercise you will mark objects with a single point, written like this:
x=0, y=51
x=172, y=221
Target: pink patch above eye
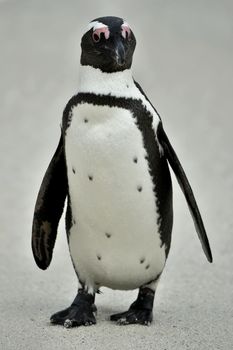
x=125, y=31
x=97, y=33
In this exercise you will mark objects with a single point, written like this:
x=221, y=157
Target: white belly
x=114, y=241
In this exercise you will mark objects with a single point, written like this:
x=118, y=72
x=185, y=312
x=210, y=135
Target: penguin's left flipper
x=174, y=162
x=49, y=207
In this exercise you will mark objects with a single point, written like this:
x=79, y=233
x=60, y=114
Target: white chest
x=115, y=240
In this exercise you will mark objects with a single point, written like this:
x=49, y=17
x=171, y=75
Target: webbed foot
x=140, y=312
x=143, y=317
x=80, y=313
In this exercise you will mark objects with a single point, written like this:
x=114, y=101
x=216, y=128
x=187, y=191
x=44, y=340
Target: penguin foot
x=140, y=312
x=143, y=317
x=80, y=313
x=74, y=316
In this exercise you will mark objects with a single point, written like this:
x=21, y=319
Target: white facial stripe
x=125, y=30
x=101, y=27
x=125, y=24
x=96, y=25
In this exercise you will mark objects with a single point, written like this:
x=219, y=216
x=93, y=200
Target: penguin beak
x=119, y=53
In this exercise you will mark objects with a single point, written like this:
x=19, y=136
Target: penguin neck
x=93, y=80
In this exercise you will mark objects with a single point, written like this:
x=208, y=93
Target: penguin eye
x=100, y=32
x=125, y=31
x=96, y=37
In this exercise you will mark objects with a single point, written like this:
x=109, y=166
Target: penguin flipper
x=176, y=166
x=49, y=207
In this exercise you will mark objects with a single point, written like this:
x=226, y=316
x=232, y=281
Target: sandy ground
x=184, y=63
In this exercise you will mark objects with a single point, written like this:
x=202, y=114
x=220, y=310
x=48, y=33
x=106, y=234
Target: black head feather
x=108, y=45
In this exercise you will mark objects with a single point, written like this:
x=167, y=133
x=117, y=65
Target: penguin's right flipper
x=49, y=207
x=176, y=166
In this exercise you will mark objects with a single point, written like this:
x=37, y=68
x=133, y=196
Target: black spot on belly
x=90, y=177
x=73, y=169
x=139, y=188
x=108, y=235
x=99, y=257
x=135, y=159
x=86, y=120
x=142, y=260
x=147, y=267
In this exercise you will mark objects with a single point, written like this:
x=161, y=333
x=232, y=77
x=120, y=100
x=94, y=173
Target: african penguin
x=112, y=165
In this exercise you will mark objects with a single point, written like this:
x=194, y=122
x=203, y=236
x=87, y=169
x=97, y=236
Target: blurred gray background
x=183, y=61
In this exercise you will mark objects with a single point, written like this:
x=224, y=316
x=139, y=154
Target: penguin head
x=108, y=45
